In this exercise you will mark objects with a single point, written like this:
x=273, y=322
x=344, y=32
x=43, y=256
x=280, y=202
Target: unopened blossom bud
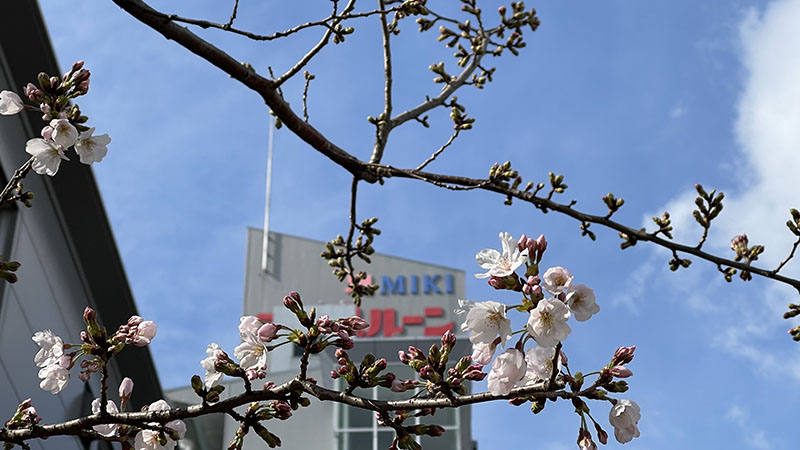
x=496, y=283
x=334, y=374
x=602, y=436
x=29, y=90
x=357, y=323
x=523, y=240
x=586, y=443
x=268, y=332
x=125, y=389
x=339, y=353
x=623, y=355
x=54, y=81
x=347, y=344
x=134, y=321
x=621, y=372
x=475, y=375
x=85, y=338
x=89, y=315
x=291, y=304
x=516, y=401
x=398, y=386
x=404, y=357
x=448, y=340
x=502, y=10
x=282, y=409
x=416, y=353
x=435, y=431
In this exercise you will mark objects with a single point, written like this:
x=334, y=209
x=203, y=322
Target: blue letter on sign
x=396, y=287
x=430, y=284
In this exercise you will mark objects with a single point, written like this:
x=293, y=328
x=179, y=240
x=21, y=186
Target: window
x=357, y=429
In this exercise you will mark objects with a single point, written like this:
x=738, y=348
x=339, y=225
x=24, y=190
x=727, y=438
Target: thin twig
x=205, y=24
x=791, y=255
x=233, y=15
x=440, y=150
x=317, y=48
x=308, y=77
x=384, y=126
x=348, y=254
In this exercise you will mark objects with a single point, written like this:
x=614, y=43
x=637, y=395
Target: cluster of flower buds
x=137, y=331
x=66, y=125
x=24, y=417
x=405, y=435
x=55, y=363
x=345, y=329
x=366, y=375
x=536, y=247
x=433, y=367
x=7, y=268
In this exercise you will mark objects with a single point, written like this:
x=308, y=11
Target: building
x=66, y=248
x=414, y=306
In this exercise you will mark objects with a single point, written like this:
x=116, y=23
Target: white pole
x=265, y=242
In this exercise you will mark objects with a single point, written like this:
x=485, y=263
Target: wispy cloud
x=753, y=436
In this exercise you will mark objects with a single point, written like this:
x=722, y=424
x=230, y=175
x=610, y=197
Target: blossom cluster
x=65, y=125
x=549, y=300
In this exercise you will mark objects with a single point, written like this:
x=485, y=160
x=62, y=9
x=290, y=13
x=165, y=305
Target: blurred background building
x=414, y=306
x=68, y=255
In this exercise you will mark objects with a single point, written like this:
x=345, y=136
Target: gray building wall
x=66, y=248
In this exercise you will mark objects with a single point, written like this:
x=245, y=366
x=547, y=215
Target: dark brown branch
x=281, y=392
x=384, y=127
x=233, y=15
x=263, y=86
x=18, y=175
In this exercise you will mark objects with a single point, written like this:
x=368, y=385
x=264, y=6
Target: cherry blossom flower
x=150, y=439
x=52, y=347
x=92, y=149
x=624, y=417
x=10, y=103
x=581, y=302
x=507, y=370
x=251, y=353
x=109, y=429
x=484, y=321
x=47, y=156
x=540, y=364
x=501, y=265
x=55, y=376
x=556, y=280
x=64, y=133
x=212, y=377
x=548, y=322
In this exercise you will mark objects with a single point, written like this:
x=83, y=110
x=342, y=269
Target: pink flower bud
x=145, y=333
x=496, y=283
x=134, y=321
x=358, y=323
x=523, y=240
x=89, y=315
x=268, y=332
x=502, y=10
x=404, y=357
x=435, y=431
x=623, y=355
x=125, y=388
x=621, y=372
x=448, y=339
x=398, y=386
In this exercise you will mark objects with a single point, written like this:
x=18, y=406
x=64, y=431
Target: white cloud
x=764, y=187
x=753, y=435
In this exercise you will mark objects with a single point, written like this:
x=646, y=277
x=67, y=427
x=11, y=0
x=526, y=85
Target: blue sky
x=642, y=99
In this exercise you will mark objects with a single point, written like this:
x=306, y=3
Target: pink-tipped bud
x=85, y=338
x=268, y=332
x=621, y=372
x=89, y=315
x=404, y=357
x=334, y=374
x=357, y=323
x=502, y=10
x=339, y=353
x=398, y=386
x=623, y=355
x=135, y=321
x=416, y=353
x=125, y=388
x=435, y=431
x=448, y=339
x=496, y=283
x=523, y=240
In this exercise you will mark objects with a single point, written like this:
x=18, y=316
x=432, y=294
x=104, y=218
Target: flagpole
x=265, y=241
